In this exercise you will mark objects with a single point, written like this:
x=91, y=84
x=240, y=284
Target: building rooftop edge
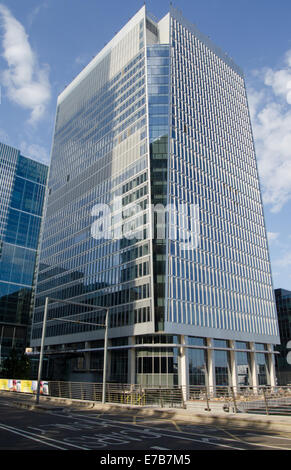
x=177, y=14
x=106, y=49
x=141, y=13
x=24, y=156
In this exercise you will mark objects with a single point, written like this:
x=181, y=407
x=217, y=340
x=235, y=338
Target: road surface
x=66, y=428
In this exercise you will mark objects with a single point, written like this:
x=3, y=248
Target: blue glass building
x=22, y=192
x=158, y=119
x=283, y=360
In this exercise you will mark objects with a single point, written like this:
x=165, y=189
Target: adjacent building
x=22, y=191
x=154, y=210
x=283, y=360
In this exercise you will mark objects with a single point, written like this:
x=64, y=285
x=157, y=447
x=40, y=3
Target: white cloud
x=283, y=262
x=34, y=151
x=4, y=137
x=36, y=11
x=83, y=59
x=271, y=118
x=27, y=84
x=272, y=236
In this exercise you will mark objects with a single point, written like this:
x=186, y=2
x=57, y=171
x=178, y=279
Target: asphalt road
x=84, y=430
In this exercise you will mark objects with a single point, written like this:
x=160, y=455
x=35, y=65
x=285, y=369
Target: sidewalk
x=50, y=404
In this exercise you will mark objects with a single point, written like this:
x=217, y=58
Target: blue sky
x=45, y=44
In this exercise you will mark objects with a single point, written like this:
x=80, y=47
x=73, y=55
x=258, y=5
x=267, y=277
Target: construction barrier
x=24, y=386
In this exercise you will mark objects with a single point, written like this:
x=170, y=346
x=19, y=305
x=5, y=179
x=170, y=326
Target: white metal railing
x=127, y=394
x=264, y=399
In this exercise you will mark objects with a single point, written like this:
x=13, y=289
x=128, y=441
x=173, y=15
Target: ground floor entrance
x=162, y=360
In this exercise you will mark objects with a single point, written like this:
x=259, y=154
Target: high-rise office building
x=22, y=190
x=158, y=119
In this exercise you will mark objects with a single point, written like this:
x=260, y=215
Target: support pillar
x=271, y=366
x=184, y=368
x=211, y=368
x=254, y=368
x=233, y=368
x=131, y=372
x=87, y=356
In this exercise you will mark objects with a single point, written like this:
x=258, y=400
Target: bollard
x=266, y=401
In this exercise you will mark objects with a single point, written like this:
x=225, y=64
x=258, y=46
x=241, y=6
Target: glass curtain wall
x=226, y=283
x=197, y=360
x=222, y=371
x=243, y=362
x=158, y=96
x=18, y=245
x=99, y=157
x=243, y=368
x=157, y=365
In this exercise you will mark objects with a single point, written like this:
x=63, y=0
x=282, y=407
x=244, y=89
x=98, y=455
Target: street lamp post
x=1, y=336
x=105, y=358
x=74, y=321
x=41, y=349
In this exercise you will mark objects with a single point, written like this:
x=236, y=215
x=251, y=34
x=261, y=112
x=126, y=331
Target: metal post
x=105, y=358
x=266, y=401
x=1, y=336
x=41, y=349
x=234, y=399
x=207, y=400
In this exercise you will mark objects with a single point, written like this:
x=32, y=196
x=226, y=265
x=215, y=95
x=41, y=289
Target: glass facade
x=226, y=282
x=158, y=69
x=157, y=365
x=197, y=366
x=101, y=134
x=243, y=368
x=22, y=192
x=262, y=369
x=222, y=374
x=159, y=119
x=283, y=303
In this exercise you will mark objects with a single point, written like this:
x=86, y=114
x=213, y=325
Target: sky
x=44, y=44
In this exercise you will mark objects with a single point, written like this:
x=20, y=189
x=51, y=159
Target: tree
x=16, y=366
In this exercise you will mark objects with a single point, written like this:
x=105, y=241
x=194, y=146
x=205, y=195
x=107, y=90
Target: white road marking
x=159, y=448
x=234, y=438
x=202, y=437
x=33, y=437
x=120, y=424
x=271, y=437
x=22, y=434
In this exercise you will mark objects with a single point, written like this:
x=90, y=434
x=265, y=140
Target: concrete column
x=233, y=368
x=184, y=368
x=131, y=373
x=211, y=368
x=254, y=369
x=271, y=366
x=87, y=356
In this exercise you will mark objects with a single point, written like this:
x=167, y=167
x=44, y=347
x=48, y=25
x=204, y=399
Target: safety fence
x=126, y=394
x=263, y=399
